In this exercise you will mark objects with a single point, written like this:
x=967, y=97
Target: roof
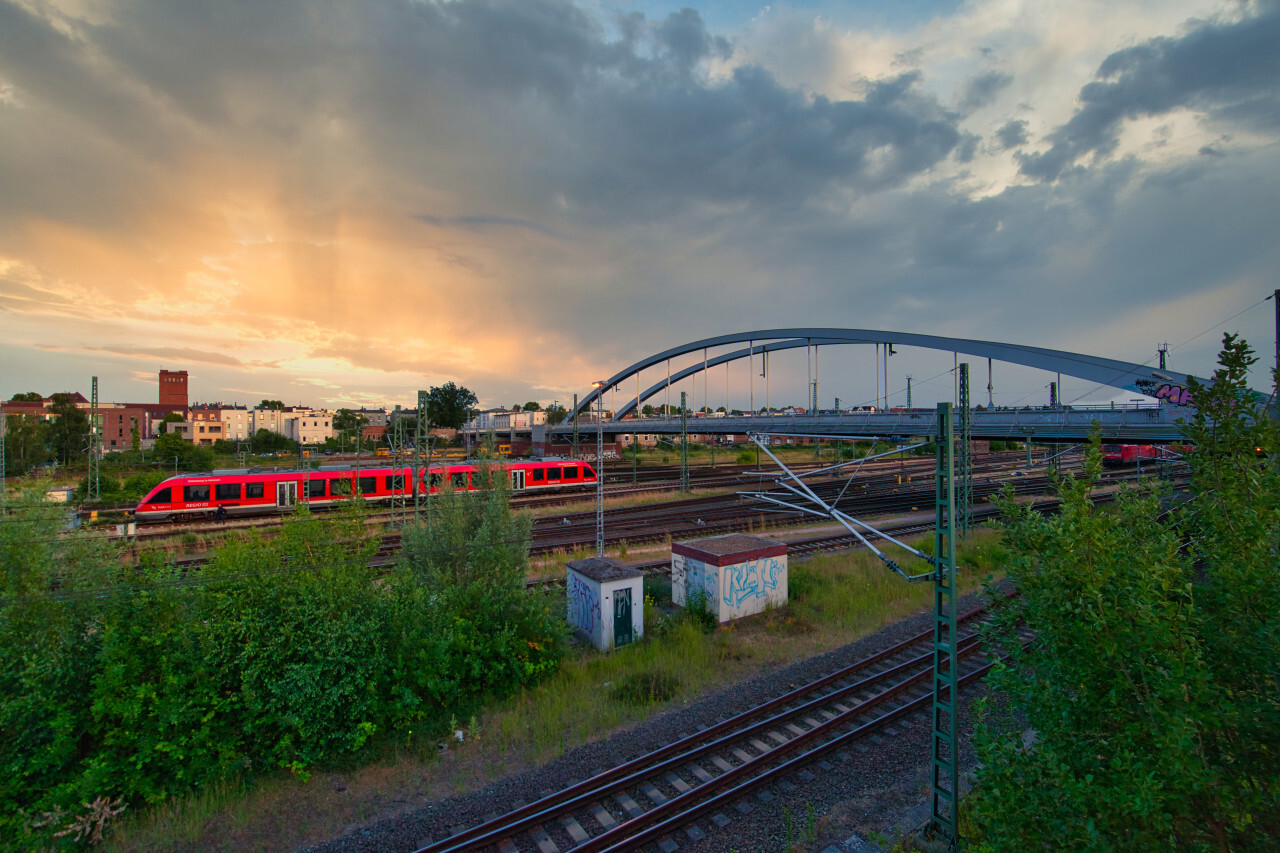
x=728, y=549
x=603, y=569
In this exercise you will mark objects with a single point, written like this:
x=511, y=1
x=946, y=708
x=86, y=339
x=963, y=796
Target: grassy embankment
x=834, y=600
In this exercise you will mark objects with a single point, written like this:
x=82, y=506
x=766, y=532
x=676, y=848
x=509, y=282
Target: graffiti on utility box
x=752, y=579
x=584, y=604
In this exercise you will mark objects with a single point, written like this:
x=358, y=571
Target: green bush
x=287, y=653
x=1152, y=685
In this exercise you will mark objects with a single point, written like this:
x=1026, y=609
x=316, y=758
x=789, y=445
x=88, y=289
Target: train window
x=395, y=483
x=163, y=496
x=227, y=491
x=339, y=488
x=253, y=490
x=315, y=488
x=538, y=475
x=570, y=474
x=437, y=480
x=195, y=493
x=458, y=481
x=553, y=473
x=368, y=485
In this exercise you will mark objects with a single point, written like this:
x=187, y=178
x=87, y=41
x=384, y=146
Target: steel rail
x=671, y=815
x=696, y=745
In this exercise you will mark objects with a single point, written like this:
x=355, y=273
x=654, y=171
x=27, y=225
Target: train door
x=517, y=480
x=622, y=617
x=286, y=494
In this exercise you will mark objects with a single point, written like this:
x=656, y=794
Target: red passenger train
x=246, y=491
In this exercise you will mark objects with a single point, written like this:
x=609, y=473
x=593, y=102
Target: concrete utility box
x=606, y=601
x=740, y=575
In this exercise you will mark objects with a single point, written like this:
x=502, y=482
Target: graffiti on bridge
x=1178, y=395
x=1175, y=394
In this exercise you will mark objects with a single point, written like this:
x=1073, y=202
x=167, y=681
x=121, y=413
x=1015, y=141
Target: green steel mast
x=946, y=751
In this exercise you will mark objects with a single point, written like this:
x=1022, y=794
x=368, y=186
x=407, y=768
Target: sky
x=339, y=203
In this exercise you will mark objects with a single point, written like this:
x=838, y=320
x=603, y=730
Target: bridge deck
x=1140, y=425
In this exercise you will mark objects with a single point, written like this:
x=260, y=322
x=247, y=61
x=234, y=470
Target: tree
x=647, y=410
x=346, y=419
x=266, y=441
x=532, y=406
x=169, y=418
x=25, y=443
x=69, y=432
x=556, y=414
x=448, y=405
x=271, y=404
x=185, y=455
x=28, y=397
x=1151, y=685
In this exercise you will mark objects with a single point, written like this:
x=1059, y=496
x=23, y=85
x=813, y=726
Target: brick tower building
x=173, y=389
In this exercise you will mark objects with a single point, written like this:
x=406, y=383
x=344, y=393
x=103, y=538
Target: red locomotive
x=244, y=491
x=1115, y=455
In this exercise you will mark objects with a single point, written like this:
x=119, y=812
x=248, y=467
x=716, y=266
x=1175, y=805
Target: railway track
x=673, y=788
x=714, y=515
x=650, y=481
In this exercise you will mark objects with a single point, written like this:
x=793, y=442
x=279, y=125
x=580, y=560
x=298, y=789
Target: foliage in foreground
x=126, y=689
x=1152, y=687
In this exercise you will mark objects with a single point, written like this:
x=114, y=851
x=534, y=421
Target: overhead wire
x=1194, y=337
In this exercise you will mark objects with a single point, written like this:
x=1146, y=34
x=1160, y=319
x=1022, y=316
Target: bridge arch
x=1126, y=375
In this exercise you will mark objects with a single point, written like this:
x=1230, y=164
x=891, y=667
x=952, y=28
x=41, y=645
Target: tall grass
x=834, y=599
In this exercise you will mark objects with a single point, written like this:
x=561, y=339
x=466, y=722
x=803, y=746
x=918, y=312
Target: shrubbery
x=284, y=653
x=1152, y=687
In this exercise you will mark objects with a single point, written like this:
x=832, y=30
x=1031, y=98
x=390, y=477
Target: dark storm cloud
x=621, y=124
x=982, y=90
x=1228, y=70
x=1012, y=134
x=750, y=140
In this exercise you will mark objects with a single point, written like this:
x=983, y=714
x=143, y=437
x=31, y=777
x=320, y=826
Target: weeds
x=646, y=688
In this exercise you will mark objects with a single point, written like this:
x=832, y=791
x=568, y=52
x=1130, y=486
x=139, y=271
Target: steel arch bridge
x=1126, y=375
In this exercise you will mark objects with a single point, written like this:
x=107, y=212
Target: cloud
x=1229, y=71
x=513, y=194
x=178, y=355
x=1012, y=134
x=484, y=222
x=982, y=90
